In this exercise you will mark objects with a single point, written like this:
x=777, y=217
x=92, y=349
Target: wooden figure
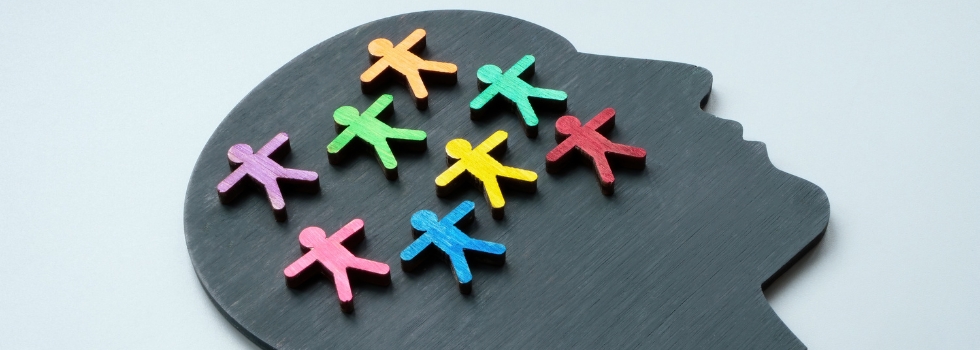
x=590, y=140
x=332, y=256
x=369, y=128
x=512, y=85
x=446, y=236
x=262, y=169
x=403, y=58
x=485, y=170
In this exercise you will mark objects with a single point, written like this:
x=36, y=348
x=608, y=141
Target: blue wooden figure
x=444, y=235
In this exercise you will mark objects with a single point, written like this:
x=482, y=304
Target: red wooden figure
x=333, y=256
x=591, y=142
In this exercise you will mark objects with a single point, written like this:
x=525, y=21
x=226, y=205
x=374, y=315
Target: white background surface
x=104, y=108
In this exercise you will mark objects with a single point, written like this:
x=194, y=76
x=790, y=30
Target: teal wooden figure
x=370, y=128
x=513, y=86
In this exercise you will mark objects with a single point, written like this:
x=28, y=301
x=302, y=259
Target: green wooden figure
x=513, y=86
x=370, y=128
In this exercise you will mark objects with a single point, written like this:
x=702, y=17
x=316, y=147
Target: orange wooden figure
x=403, y=58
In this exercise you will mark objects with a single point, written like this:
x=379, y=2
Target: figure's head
x=312, y=236
x=567, y=124
x=457, y=148
x=346, y=115
x=423, y=220
x=380, y=47
x=489, y=74
x=238, y=153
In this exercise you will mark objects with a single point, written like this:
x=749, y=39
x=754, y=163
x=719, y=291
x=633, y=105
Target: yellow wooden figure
x=479, y=162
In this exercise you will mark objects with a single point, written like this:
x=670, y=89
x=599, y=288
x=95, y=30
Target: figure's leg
x=518, y=174
x=275, y=195
x=462, y=269
x=344, y=293
x=486, y=247
x=548, y=94
x=377, y=272
x=300, y=180
x=385, y=156
x=491, y=189
x=486, y=252
x=407, y=134
x=602, y=169
x=626, y=150
x=438, y=67
x=418, y=88
x=628, y=156
x=527, y=112
x=299, y=175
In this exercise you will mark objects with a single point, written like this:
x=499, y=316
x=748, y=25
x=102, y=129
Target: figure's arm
x=297, y=267
x=416, y=248
x=450, y=174
x=524, y=67
x=498, y=138
x=353, y=228
x=413, y=42
x=341, y=140
x=231, y=180
x=378, y=107
x=374, y=71
x=560, y=151
x=459, y=213
x=484, y=97
x=602, y=121
x=274, y=145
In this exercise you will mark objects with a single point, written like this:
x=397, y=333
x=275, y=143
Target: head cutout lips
x=676, y=258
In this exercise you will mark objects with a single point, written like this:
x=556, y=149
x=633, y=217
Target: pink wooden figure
x=263, y=170
x=332, y=256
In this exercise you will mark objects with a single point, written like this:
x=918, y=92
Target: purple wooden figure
x=263, y=170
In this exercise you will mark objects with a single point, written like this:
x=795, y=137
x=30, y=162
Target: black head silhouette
x=676, y=259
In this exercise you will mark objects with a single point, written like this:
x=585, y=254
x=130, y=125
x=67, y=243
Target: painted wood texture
x=512, y=85
x=454, y=245
x=369, y=128
x=330, y=254
x=263, y=170
x=403, y=59
x=676, y=259
x=484, y=170
x=591, y=142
